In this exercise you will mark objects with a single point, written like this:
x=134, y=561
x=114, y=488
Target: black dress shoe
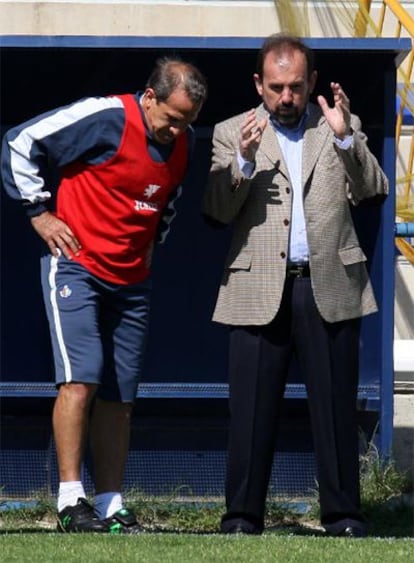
x=239, y=526
x=353, y=532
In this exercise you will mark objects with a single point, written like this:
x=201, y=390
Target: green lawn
x=182, y=532
x=180, y=548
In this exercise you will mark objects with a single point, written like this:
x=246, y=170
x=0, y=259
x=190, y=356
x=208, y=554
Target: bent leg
x=72, y=304
x=124, y=326
x=70, y=427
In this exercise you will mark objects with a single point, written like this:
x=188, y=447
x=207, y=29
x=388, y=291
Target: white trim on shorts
x=58, y=326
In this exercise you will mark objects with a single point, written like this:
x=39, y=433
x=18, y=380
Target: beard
x=287, y=115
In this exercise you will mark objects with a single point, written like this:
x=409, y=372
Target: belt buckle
x=297, y=271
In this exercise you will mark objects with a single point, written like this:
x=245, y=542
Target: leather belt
x=298, y=271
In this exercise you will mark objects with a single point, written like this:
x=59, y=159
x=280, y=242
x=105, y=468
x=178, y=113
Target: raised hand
x=251, y=133
x=339, y=116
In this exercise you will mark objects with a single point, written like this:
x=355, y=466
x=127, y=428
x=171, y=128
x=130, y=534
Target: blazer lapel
x=270, y=145
x=313, y=140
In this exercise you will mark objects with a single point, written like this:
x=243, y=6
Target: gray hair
x=170, y=74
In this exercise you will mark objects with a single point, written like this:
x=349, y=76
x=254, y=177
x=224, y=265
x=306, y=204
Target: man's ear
x=149, y=94
x=312, y=81
x=258, y=83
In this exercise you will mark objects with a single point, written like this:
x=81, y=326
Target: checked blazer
x=259, y=208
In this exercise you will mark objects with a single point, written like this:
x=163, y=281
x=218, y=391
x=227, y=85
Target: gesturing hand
x=338, y=117
x=251, y=133
x=56, y=234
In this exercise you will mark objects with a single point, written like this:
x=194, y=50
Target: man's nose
x=287, y=95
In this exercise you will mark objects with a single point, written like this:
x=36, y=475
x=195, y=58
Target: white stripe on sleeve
x=25, y=172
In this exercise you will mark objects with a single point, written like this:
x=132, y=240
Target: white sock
x=69, y=492
x=106, y=504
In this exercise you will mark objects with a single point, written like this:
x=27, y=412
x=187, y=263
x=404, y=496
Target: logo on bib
x=145, y=206
x=150, y=190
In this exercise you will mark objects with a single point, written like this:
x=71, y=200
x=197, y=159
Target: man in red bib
x=121, y=162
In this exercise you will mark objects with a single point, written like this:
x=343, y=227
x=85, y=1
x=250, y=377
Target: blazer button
x=283, y=254
x=286, y=222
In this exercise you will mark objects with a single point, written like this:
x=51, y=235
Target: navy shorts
x=98, y=329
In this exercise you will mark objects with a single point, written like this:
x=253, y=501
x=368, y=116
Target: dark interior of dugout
x=179, y=431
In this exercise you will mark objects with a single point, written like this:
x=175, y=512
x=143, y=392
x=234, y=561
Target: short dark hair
x=172, y=73
x=280, y=42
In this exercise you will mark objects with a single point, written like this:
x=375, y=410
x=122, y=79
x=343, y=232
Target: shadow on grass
x=385, y=521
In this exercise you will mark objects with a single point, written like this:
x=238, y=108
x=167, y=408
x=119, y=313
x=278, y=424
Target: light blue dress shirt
x=291, y=145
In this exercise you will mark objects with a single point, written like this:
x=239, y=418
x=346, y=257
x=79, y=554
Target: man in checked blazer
x=295, y=281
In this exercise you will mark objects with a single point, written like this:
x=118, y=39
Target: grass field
x=180, y=548
x=185, y=530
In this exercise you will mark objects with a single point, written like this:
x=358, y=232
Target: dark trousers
x=259, y=359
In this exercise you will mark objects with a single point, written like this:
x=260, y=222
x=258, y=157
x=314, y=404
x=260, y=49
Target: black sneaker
x=123, y=522
x=80, y=518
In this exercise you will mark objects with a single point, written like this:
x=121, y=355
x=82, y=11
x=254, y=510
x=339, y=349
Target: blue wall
x=41, y=73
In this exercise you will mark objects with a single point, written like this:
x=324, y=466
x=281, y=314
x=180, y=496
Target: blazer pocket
x=241, y=262
x=351, y=255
